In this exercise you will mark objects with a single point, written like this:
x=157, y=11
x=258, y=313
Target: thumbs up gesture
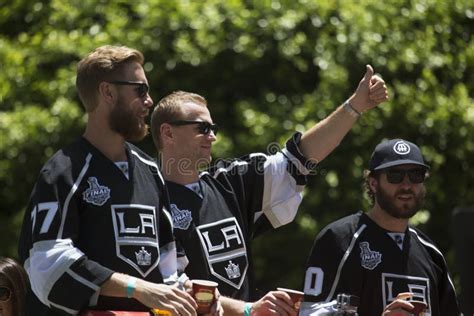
x=370, y=92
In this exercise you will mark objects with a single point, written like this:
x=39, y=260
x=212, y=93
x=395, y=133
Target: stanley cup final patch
x=181, y=218
x=96, y=194
x=369, y=259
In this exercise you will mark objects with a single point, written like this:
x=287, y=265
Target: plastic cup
x=296, y=297
x=204, y=295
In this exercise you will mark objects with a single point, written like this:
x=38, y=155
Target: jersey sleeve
x=169, y=266
x=447, y=301
x=56, y=268
x=268, y=187
x=324, y=268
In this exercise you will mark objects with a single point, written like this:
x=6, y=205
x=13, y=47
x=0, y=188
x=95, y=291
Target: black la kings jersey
x=355, y=256
x=86, y=220
x=240, y=198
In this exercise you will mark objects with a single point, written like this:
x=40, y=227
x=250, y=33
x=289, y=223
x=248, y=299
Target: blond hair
x=102, y=64
x=169, y=109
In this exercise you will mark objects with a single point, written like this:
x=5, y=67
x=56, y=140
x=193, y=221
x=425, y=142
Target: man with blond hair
x=217, y=213
x=95, y=235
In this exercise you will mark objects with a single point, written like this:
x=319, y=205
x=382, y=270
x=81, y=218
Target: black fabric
x=463, y=219
x=376, y=269
x=216, y=231
x=105, y=212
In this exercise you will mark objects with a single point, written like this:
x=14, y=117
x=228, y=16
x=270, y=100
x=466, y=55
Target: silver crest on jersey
x=181, y=218
x=143, y=257
x=233, y=270
x=96, y=194
x=369, y=259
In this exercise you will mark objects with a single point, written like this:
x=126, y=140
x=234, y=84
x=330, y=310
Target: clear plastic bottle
x=346, y=305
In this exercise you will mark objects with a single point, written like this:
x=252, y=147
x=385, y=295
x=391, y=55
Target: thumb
x=369, y=72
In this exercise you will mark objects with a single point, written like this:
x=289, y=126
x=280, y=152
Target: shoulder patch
x=96, y=194
x=369, y=259
x=181, y=218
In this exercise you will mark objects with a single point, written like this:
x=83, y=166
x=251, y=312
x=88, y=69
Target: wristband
x=247, y=309
x=130, y=287
x=349, y=109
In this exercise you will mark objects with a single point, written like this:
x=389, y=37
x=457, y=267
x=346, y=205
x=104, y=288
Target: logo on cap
x=401, y=148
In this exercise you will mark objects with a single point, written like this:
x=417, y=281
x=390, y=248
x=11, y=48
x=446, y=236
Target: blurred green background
x=267, y=68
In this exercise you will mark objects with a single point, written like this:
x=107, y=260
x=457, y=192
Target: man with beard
x=218, y=212
x=95, y=235
x=377, y=256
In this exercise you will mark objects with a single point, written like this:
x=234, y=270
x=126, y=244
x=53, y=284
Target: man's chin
x=203, y=163
x=403, y=212
x=139, y=135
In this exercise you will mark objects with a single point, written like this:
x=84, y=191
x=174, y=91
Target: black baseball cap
x=396, y=152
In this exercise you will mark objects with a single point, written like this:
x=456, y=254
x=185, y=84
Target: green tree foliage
x=267, y=68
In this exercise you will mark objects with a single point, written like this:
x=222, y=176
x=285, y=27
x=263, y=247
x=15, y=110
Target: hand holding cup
x=204, y=294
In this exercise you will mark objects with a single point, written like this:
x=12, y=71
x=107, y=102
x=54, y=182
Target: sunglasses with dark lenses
x=142, y=88
x=396, y=176
x=203, y=127
x=5, y=293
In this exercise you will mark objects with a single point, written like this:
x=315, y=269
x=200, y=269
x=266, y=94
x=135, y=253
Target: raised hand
x=370, y=92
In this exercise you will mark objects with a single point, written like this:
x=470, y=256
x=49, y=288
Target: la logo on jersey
x=369, y=259
x=393, y=284
x=96, y=194
x=225, y=250
x=181, y=218
x=136, y=238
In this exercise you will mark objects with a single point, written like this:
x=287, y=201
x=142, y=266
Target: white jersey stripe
x=67, y=310
x=150, y=163
x=428, y=244
x=343, y=261
x=47, y=262
x=80, y=279
x=70, y=195
x=231, y=166
x=295, y=161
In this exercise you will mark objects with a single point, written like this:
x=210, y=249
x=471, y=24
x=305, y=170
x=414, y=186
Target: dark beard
x=406, y=211
x=123, y=121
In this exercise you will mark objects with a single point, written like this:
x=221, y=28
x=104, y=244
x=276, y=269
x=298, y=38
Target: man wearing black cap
x=376, y=255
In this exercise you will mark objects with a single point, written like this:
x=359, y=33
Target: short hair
x=17, y=281
x=169, y=109
x=102, y=64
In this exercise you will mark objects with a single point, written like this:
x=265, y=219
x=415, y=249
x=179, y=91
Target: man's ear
x=373, y=181
x=166, y=134
x=105, y=92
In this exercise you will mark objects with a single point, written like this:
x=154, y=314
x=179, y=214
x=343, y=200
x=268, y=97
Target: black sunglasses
x=396, y=176
x=5, y=293
x=142, y=88
x=203, y=127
